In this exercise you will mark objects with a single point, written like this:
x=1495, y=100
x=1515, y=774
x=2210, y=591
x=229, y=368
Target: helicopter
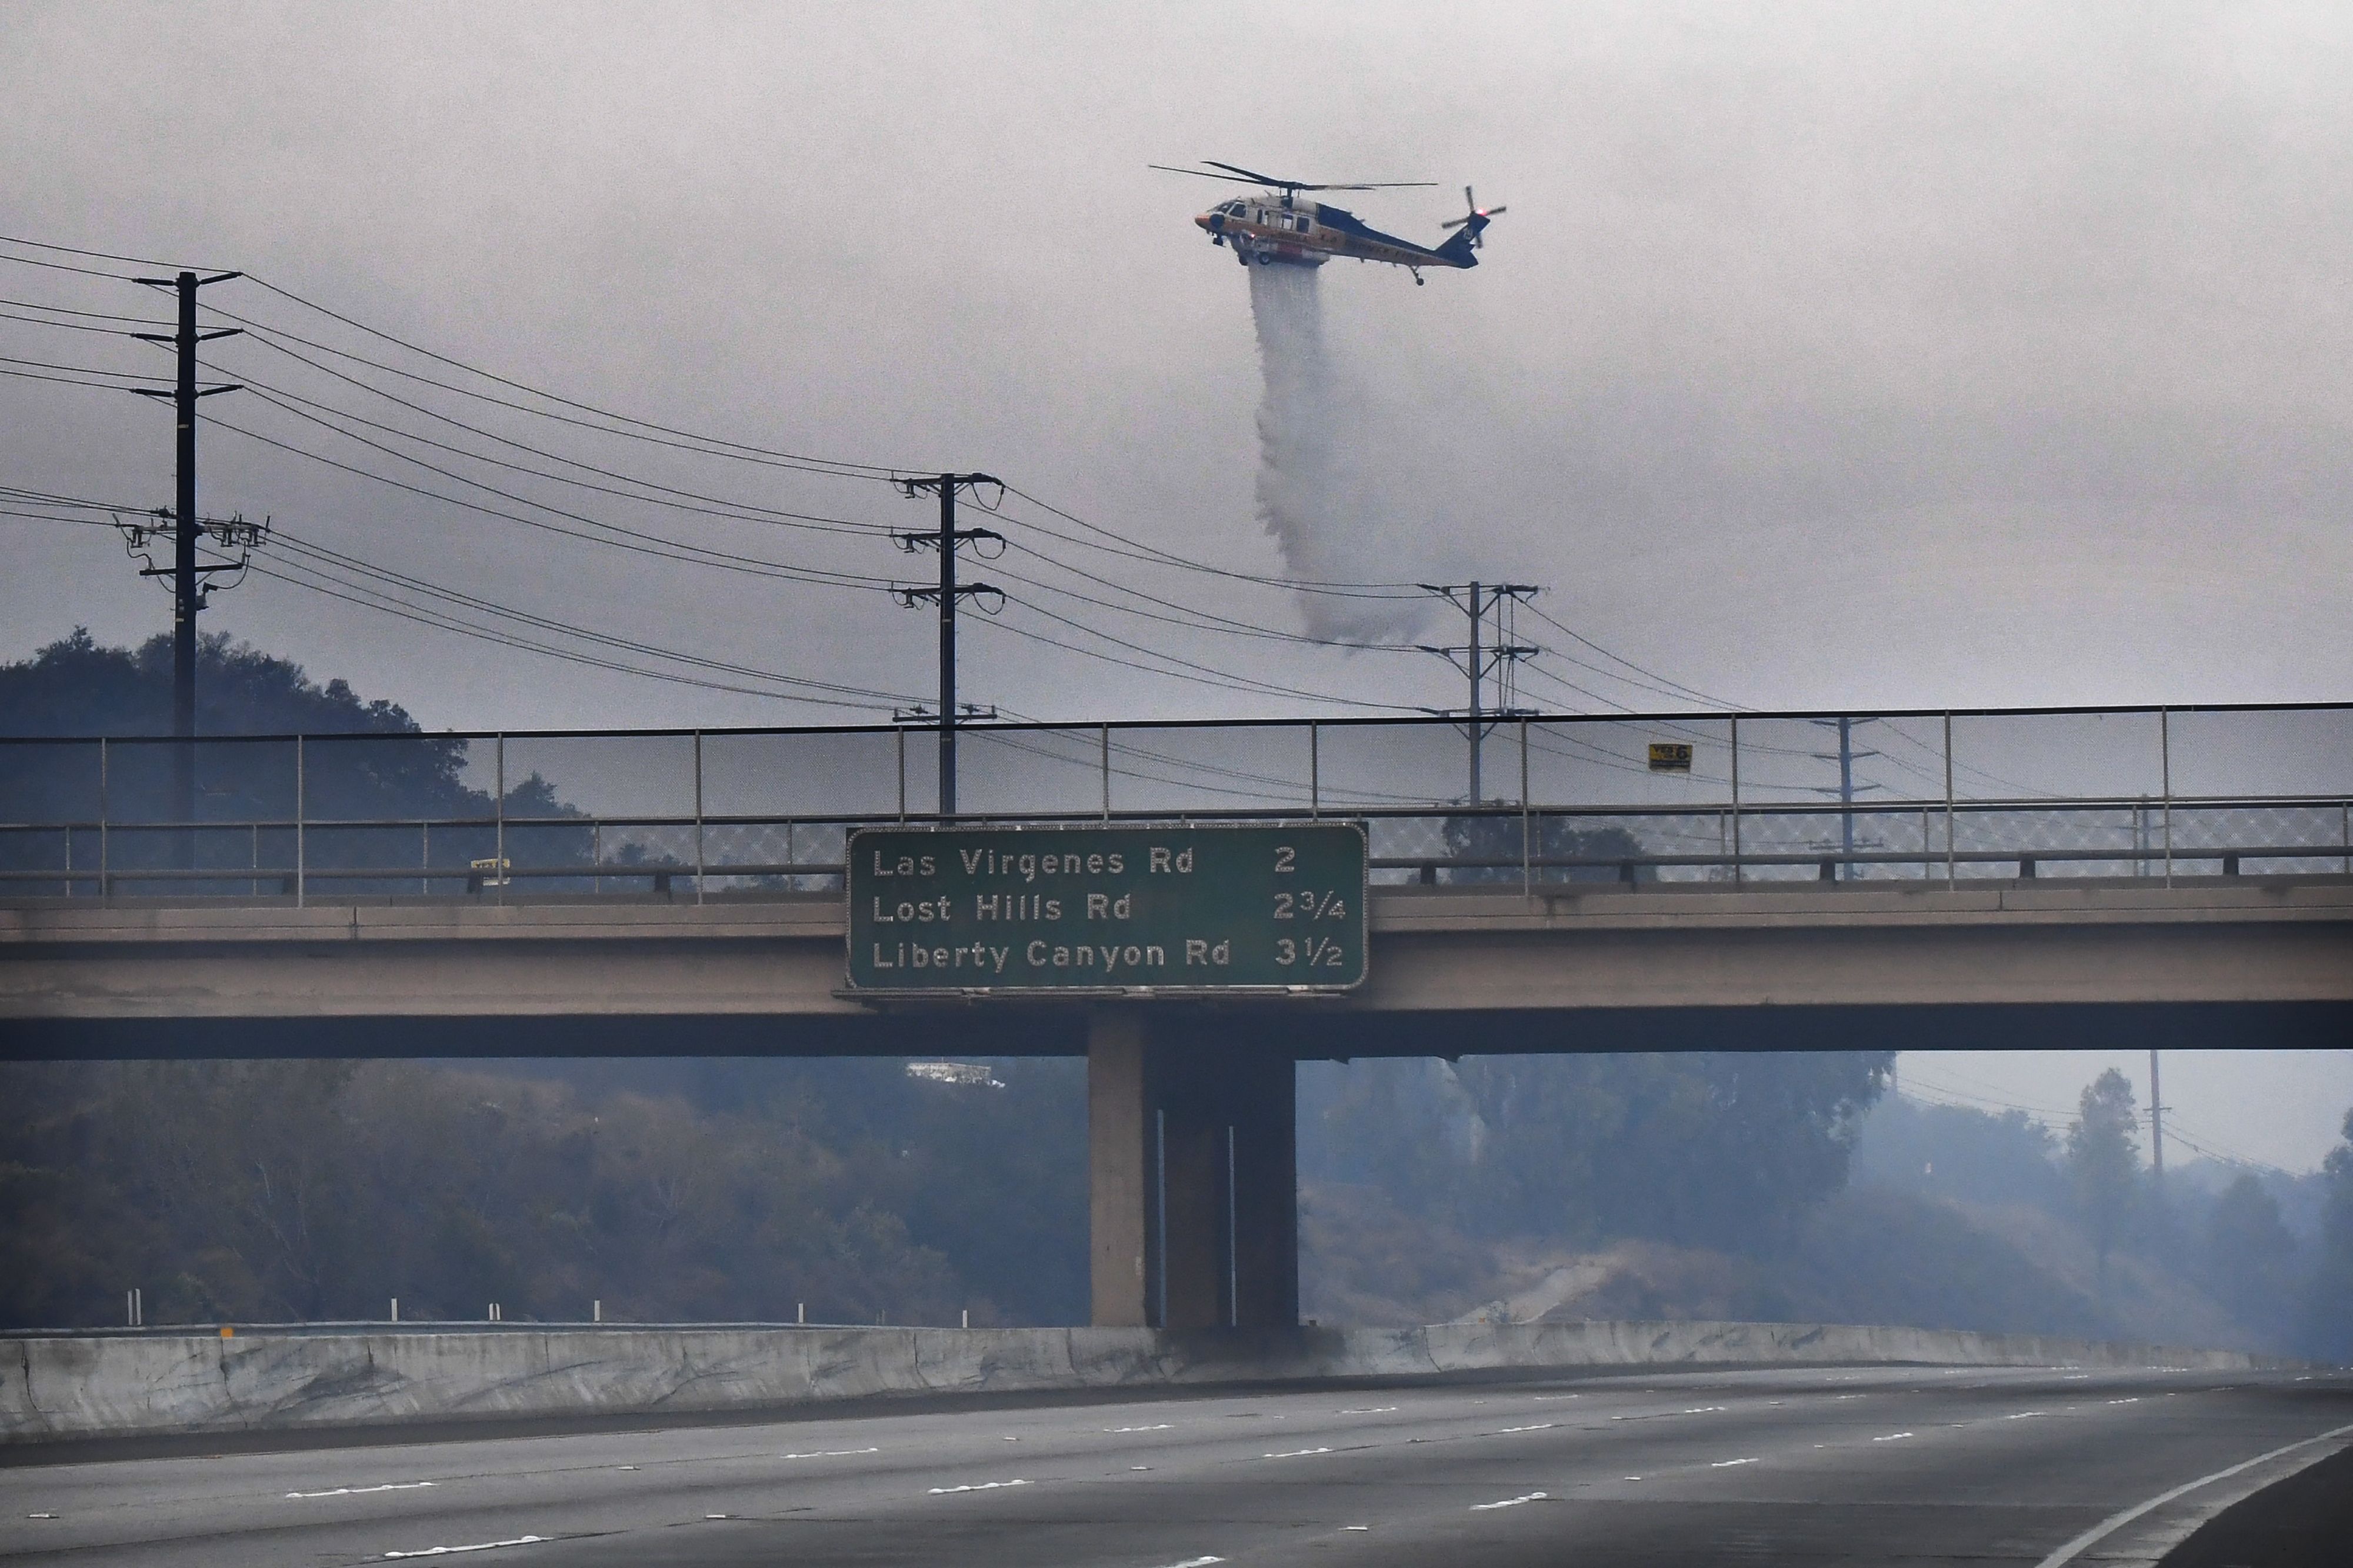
x=1279, y=228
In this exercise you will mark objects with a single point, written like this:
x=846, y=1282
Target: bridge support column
x=1193, y=1176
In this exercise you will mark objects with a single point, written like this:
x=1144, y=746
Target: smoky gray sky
x=1828, y=355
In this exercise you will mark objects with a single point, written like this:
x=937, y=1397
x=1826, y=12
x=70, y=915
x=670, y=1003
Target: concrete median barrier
x=65, y=1387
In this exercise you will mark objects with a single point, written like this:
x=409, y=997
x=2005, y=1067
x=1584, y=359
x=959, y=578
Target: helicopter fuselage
x=1281, y=229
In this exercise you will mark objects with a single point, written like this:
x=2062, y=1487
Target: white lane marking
x=1382, y=1410
x=633, y=1466
x=1634, y=1477
x=1164, y=1426
x=1196, y=1562
x=2116, y=1521
x=1507, y=1502
x=1295, y=1454
x=1707, y=1409
x=2134, y=1400
x=1139, y=1467
x=477, y=1546
x=1728, y=1464
x=1539, y=1426
x=2026, y=1415
x=53, y=1516
x=1893, y=1437
x=1356, y=1527
x=812, y=1453
x=362, y=1491
x=975, y=1487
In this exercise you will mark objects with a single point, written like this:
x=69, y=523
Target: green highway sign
x=1262, y=906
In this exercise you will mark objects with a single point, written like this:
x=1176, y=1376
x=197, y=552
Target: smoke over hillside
x=1316, y=493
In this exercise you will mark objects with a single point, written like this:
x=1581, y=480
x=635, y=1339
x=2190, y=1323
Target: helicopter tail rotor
x=1476, y=219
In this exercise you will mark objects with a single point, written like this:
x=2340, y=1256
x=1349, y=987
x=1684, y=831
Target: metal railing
x=1694, y=798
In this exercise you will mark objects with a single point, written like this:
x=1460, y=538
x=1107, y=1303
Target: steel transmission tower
x=1484, y=654
x=1845, y=756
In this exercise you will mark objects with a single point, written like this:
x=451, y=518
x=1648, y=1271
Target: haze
x=1829, y=355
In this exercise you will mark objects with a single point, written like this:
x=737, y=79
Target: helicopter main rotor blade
x=1204, y=175
x=1310, y=185
x=1254, y=175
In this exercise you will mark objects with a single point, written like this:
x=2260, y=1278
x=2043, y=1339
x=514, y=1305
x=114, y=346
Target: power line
x=720, y=508
x=1263, y=687
x=838, y=467
x=541, y=452
x=569, y=628
x=649, y=544
x=847, y=469
x=430, y=618
x=1664, y=683
x=1136, y=549
x=99, y=255
x=64, y=266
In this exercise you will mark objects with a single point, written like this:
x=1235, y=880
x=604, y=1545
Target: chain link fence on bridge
x=1707, y=799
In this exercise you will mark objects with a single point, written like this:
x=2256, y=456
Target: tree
x=2104, y=1160
x=2329, y=1298
x=1710, y=1149
x=74, y=686
x=2250, y=1258
x=366, y=760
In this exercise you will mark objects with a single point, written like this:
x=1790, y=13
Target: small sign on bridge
x=1262, y=906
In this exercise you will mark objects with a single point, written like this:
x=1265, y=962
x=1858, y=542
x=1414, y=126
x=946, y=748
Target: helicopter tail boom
x=1459, y=246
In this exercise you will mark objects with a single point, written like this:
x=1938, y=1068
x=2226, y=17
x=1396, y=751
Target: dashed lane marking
x=814, y=1453
x=1196, y=1562
x=1894, y=1438
x=477, y=1546
x=362, y=1491
x=1539, y=1426
x=1164, y=1426
x=1376, y=1410
x=1728, y=1464
x=975, y=1487
x=1507, y=1502
x=1295, y=1454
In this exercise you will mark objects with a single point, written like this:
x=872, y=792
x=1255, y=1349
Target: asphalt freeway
x=1867, y=1465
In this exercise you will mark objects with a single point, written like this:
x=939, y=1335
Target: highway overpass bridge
x=1804, y=882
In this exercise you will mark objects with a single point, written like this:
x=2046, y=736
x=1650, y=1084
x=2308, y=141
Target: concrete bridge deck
x=2211, y=960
